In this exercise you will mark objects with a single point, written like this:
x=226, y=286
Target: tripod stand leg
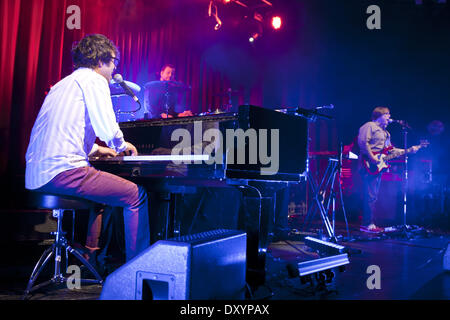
x=342, y=205
x=86, y=263
x=45, y=257
x=309, y=216
x=315, y=189
x=323, y=213
x=331, y=180
x=332, y=197
x=325, y=220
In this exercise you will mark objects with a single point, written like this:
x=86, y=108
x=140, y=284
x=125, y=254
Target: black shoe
x=94, y=261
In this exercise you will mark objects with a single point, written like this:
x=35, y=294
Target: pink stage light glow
x=276, y=22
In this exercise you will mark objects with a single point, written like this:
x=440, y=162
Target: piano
x=257, y=151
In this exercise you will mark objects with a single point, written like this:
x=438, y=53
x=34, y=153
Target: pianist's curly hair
x=92, y=49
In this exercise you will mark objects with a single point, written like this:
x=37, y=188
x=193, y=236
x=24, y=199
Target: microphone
x=331, y=106
x=118, y=79
x=400, y=122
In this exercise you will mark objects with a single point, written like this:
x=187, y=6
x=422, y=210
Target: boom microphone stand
x=405, y=173
x=405, y=227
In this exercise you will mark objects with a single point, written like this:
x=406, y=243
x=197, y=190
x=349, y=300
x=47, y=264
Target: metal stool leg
x=59, y=243
x=56, y=249
x=45, y=257
x=79, y=256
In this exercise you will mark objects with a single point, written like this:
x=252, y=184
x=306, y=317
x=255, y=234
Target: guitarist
x=372, y=138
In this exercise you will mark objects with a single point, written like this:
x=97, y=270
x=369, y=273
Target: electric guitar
x=384, y=156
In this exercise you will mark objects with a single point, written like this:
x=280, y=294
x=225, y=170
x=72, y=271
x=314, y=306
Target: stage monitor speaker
x=206, y=265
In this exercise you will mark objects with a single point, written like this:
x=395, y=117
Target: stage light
x=258, y=17
x=324, y=246
x=267, y=2
x=240, y=3
x=322, y=264
x=276, y=22
x=253, y=37
x=212, y=11
x=225, y=2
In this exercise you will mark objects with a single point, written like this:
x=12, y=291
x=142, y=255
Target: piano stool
x=58, y=204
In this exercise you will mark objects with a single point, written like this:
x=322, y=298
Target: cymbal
x=166, y=85
x=116, y=89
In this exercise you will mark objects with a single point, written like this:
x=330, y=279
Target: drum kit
x=117, y=90
x=224, y=108
x=167, y=90
x=122, y=100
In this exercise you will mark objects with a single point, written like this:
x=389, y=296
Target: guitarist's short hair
x=378, y=112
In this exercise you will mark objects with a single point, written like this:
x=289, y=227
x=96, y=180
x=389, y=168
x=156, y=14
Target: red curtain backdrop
x=35, y=54
x=9, y=20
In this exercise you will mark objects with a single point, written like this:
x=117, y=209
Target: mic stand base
x=407, y=232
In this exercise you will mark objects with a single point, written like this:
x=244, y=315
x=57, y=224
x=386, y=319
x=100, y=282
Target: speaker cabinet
x=206, y=265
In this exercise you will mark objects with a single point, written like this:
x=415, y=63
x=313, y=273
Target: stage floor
x=410, y=268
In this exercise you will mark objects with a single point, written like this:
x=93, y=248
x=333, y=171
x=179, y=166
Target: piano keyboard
x=156, y=158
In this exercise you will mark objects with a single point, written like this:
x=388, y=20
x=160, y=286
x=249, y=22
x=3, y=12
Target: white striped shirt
x=76, y=111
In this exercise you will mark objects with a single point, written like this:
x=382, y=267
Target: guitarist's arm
x=396, y=151
x=414, y=149
x=399, y=152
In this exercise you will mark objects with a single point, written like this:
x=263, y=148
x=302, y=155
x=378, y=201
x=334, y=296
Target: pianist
x=76, y=111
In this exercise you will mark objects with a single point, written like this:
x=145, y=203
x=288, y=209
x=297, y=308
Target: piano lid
x=272, y=144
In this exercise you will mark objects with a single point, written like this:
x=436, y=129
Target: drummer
x=165, y=98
